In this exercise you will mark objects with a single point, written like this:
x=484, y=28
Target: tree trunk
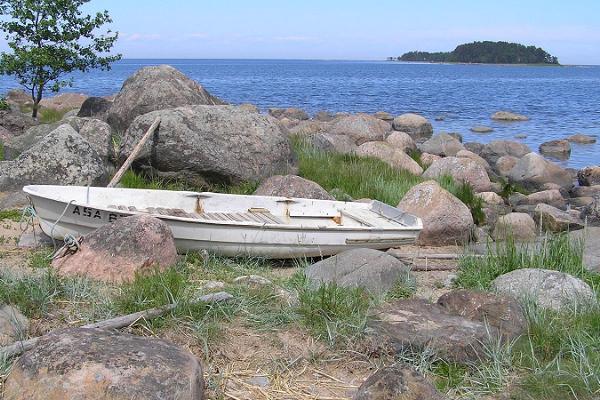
x=36, y=102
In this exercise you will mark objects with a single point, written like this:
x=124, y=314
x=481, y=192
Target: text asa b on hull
x=231, y=225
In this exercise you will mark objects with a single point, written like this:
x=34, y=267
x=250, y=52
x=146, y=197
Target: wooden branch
x=20, y=347
x=440, y=256
x=427, y=268
x=134, y=153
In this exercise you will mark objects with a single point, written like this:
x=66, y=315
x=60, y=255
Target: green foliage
x=556, y=252
x=486, y=53
x=32, y=294
x=4, y=104
x=465, y=193
x=39, y=259
x=1, y=151
x=334, y=313
x=46, y=115
x=404, y=288
x=49, y=39
x=13, y=215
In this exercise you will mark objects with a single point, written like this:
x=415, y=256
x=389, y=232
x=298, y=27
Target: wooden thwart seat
x=261, y=216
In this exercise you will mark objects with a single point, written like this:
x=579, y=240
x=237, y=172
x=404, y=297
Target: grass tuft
x=12, y=215
x=4, y=106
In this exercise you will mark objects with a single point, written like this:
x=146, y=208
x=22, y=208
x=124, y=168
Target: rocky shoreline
x=203, y=142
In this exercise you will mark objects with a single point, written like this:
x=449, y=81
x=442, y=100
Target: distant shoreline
x=500, y=64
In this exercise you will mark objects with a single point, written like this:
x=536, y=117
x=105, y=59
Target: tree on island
x=50, y=39
x=486, y=53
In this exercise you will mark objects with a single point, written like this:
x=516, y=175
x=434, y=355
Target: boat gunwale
x=28, y=190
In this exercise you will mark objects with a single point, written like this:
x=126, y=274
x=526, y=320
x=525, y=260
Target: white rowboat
x=231, y=225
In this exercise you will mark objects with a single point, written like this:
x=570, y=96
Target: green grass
x=4, y=104
x=556, y=252
x=46, y=115
x=335, y=314
x=13, y=215
x=32, y=295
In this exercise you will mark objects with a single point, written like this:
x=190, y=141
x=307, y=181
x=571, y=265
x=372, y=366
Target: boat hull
x=59, y=219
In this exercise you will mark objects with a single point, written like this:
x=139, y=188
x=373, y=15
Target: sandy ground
x=248, y=363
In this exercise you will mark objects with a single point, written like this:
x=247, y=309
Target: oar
x=136, y=150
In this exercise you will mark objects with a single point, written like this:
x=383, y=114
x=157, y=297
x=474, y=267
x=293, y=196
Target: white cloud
x=135, y=37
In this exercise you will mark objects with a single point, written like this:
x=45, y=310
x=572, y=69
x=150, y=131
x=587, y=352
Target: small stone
x=253, y=280
x=219, y=297
x=519, y=226
x=582, y=139
x=481, y=129
x=508, y=116
x=397, y=383
x=13, y=325
x=212, y=285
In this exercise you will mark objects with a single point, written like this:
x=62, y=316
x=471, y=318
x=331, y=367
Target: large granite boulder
x=549, y=289
x=501, y=312
x=589, y=176
x=498, y=148
x=446, y=220
x=442, y=145
x=553, y=219
x=560, y=149
x=508, y=116
x=401, y=141
x=96, y=364
x=94, y=107
x=416, y=325
x=505, y=164
x=462, y=170
x=292, y=186
x=117, y=252
x=16, y=122
x=308, y=128
x=289, y=113
x=215, y=144
x=397, y=383
x=99, y=135
x=64, y=101
x=373, y=270
x=361, y=128
x=334, y=143
x=552, y=197
x=475, y=157
x=155, y=88
x=518, y=226
x=533, y=172
x=394, y=157
x=416, y=126
x=62, y=157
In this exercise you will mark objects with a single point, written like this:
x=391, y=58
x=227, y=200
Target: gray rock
x=498, y=148
x=589, y=176
x=446, y=220
x=390, y=155
x=324, y=116
x=94, y=107
x=16, y=122
x=415, y=125
x=591, y=213
x=384, y=116
x=99, y=134
x=508, y=116
x=361, y=128
x=292, y=186
x=549, y=289
x=505, y=164
x=552, y=197
x=475, y=157
x=155, y=88
x=397, y=383
x=560, y=149
x=582, y=139
x=375, y=271
x=501, y=312
x=534, y=171
x=481, y=129
x=554, y=220
x=249, y=107
x=13, y=325
x=590, y=237
x=519, y=226
x=586, y=191
x=416, y=325
x=308, y=128
x=290, y=113
x=474, y=147
x=442, y=145
x=216, y=144
x=14, y=146
x=255, y=281
x=218, y=297
x=334, y=143
x=96, y=364
x=63, y=157
x=462, y=170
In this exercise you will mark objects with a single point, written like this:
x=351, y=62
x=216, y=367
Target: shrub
x=4, y=104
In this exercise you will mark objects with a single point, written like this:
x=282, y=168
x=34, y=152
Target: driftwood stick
x=134, y=153
x=20, y=347
x=442, y=256
x=427, y=268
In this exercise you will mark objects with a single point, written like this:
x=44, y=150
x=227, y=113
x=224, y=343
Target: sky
x=349, y=29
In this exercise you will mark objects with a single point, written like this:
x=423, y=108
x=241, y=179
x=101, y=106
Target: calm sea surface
x=560, y=101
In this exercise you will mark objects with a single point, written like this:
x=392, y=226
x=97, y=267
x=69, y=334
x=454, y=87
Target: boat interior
x=234, y=209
